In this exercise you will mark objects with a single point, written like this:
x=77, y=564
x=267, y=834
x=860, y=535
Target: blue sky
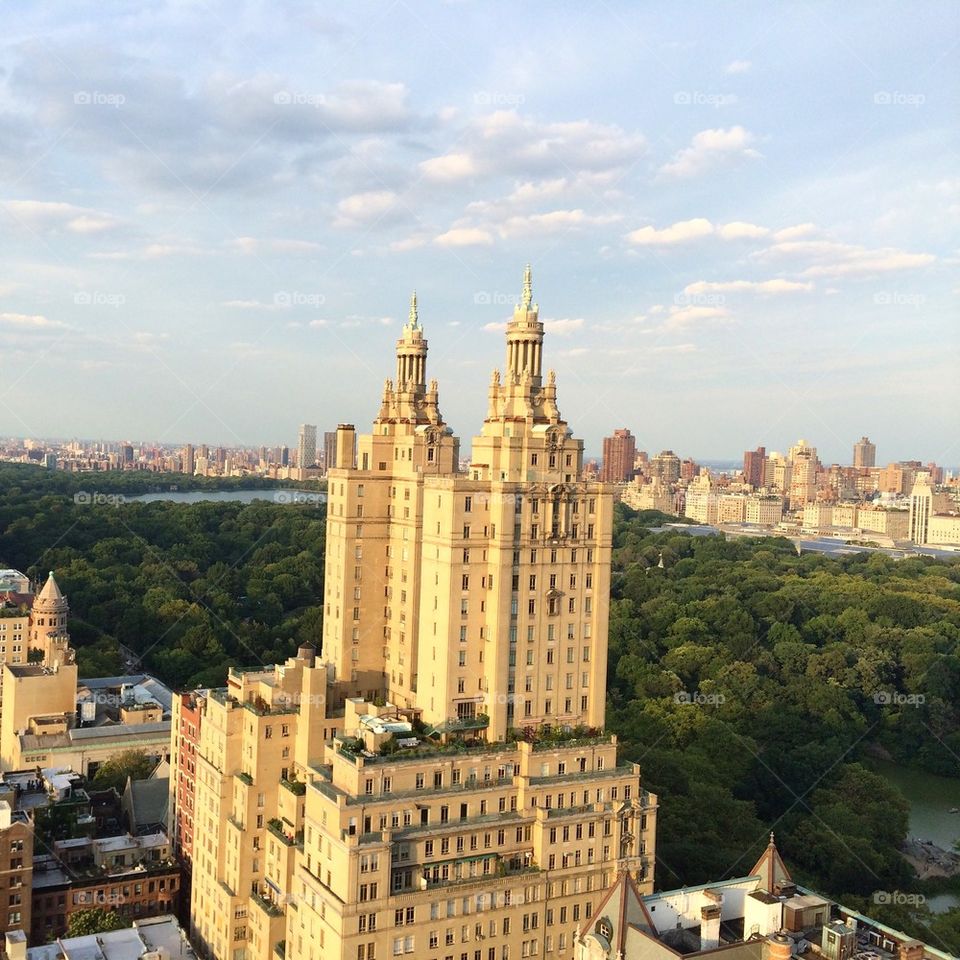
x=741, y=216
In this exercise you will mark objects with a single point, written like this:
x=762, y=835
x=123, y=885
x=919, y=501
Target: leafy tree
x=114, y=772
x=85, y=923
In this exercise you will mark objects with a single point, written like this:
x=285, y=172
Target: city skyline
x=591, y=453
x=195, y=232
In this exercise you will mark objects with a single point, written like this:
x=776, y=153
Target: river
x=278, y=495
x=931, y=799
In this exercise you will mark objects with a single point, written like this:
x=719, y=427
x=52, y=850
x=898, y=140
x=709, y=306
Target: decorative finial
x=414, y=320
x=527, y=288
x=771, y=838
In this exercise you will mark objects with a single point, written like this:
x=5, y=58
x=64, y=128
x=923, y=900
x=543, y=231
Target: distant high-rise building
x=307, y=446
x=126, y=453
x=921, y=507
x=753, y=466
x=864, y=453
x=619, y=452
x=284, y=456
x=329, y=449
x=665, y=466
x=189, y=460
x=803, y=474
x=688, y=469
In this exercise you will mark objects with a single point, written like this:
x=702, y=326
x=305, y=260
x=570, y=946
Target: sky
x=741, y=217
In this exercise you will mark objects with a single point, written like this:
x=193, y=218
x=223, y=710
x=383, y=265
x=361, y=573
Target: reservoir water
x=931, y=799
x=279, y=495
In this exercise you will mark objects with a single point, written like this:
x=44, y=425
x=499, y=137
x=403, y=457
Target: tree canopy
x=84, y=923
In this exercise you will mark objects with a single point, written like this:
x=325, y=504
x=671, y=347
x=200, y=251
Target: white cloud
x=507, y=142
x=254, y=245
x=563, y=327
x=155, y=251
x=833, y=259
x=795, y=232
x=534, y=191
x=363, y=105
x=709, y=149
x=44, y=215
x=410, y=243
x=364, y=208
x=147, y=338
x=738, y=66
x=681, y=316
x=778, y=285
x=872, y=261
x=680, y=232
x=464, y=237
x=449, y=168
x=25, y=321
x=248, y=305
x=738, y=230
x=554, y=220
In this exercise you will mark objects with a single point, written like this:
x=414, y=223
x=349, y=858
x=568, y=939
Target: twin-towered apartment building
x=437, y=783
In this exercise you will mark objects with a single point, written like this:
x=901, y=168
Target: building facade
x=307, y=446
x=476, y=576
x=864, y=454
x=439, y=781
x=619, y=453
x=753, y=467
x=16, y=868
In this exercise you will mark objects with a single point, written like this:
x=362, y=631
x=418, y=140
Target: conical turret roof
x=51, y=595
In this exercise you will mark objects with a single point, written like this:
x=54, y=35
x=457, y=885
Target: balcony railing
x=276, y=828
x=267, y=906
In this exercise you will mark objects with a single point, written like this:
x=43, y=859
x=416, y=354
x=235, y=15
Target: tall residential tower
x=439, y=776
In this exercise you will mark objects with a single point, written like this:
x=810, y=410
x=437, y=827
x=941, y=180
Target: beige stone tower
x=477, y=595
x=445, y=789
x=375, y=530
x=48, y=624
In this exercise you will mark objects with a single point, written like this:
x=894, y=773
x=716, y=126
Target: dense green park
x=753, y=685
x=188, y=588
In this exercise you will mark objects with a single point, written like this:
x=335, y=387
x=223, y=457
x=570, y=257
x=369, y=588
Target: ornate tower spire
x=525, y=338
x=413, y=321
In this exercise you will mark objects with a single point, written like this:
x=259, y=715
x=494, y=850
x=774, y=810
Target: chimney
x=346, y=446
x=911, y=950
x=710, y=927
x=16, y=945
x=778, y=947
